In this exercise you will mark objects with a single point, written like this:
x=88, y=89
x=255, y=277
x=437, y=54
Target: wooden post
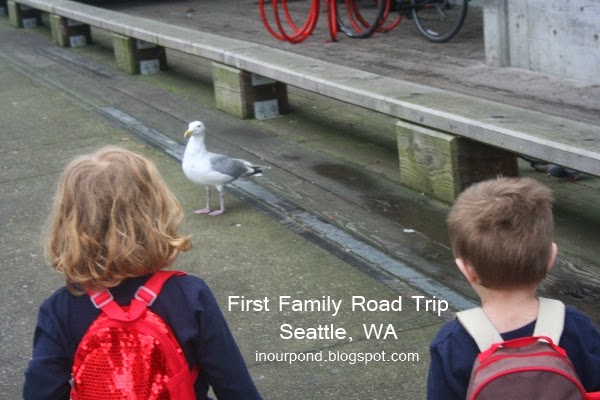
x=21, y=16
x=136, y=56
x=443, y=165
x=69, y=33
x=248, y=95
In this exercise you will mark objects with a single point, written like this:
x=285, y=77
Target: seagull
x=210, y=169
x=537, y=164
x=568, y=174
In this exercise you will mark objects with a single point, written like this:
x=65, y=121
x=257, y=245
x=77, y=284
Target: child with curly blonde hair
x=114, y=224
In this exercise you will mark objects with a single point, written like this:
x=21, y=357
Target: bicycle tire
x=359, y=21
x=439, y=20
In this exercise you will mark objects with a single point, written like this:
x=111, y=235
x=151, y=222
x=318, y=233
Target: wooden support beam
x=21, y=16
x=443, y=165
x=247, y=95
x=136, y=56
x=69, y=33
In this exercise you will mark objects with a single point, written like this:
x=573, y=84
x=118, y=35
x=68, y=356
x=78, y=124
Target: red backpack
x=130, y=352
x=526, y=368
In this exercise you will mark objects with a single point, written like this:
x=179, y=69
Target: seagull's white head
x=195, y=128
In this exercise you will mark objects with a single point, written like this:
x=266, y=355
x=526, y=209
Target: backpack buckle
x=146, y=295
x=100, y=299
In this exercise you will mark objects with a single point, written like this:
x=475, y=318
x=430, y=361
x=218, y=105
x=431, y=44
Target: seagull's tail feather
x=251, y=169
x=257, y=170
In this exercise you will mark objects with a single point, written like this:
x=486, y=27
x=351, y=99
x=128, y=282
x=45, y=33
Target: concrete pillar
x=21, y=16
x=246, y=95
x=496, y=33
x=69, y=33
x=443, y=165
x=136, y=56
x=554, y=37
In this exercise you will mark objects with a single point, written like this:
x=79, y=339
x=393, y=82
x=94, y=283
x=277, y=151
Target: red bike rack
x=299, y=34
x=437, y=20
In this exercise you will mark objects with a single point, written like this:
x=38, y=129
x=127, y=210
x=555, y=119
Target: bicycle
x=436, y=20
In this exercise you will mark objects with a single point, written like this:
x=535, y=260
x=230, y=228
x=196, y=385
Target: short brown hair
x=113, y=217
x=503, y=228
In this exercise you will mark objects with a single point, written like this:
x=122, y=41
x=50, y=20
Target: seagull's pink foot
x=202, y=211
x=215, y=213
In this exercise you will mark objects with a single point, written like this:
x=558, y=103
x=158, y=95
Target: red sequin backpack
x=532, y=367
x=130, y=352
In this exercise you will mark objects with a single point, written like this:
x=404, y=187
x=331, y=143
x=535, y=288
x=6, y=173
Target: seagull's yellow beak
x=187, y=134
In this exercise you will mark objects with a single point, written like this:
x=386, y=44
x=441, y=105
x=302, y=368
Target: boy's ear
x=553, y=254
x=467, y=270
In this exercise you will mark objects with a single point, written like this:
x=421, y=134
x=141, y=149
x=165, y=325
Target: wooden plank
x=428, y=161
x=59, y=31
x=443, y=165
x=124, y=55
x=232, y=90
x=14, y=14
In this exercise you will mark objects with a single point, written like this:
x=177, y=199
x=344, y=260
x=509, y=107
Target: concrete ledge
x=558, y=140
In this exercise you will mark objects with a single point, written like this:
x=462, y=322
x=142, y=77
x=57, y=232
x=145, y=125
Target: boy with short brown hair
x=501, y=234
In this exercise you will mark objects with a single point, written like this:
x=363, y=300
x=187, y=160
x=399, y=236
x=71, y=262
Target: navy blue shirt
x=185, y=303
x=453, y=352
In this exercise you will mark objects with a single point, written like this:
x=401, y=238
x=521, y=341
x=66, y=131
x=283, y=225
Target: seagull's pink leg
x=222, y=209
x=207, y=209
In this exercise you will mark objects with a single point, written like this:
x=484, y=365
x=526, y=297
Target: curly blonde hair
x=113, y=218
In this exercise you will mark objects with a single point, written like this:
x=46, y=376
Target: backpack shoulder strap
x=144, y=297
x=479, y=326
x=150, y=290
x=550, y=322
x=104, y=301
x=551, y=319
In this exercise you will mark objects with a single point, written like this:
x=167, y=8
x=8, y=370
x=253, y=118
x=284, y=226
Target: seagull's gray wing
x=228, y=166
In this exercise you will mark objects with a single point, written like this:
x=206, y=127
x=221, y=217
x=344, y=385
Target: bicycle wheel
x=439, y=20
x=361, y=18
